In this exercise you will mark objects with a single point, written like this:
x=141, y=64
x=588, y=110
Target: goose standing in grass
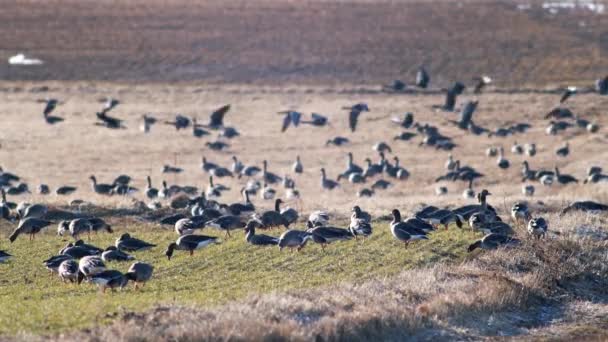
x=79, y=226
x=237, y=166
x=325, y=235
x=101, y=188
x=520, y=212
x=35, y=211
x=242, y=208
x=294, y=239
x=537, y=227
x=450, y=164
x=289, y=214
x=273, y=218
x=586, y=206
x=501, y=161
x=517, y=148
x=372, y=169
x=68, y=270
x=65, y=190
x=215, y=190
x=267, y=176
x=89, y=266
x=227, y=223
x=139, y=273
x=318, y=218
x=564, y=178
x=30, y=226
x=530, y=149
x=189, y=243
x=563, y=151
x=151, y=192
x=114, y=254
x=4, y=256
x=268, y=192
x=479, y=222
x=326, y=183
x=297, y=166
x=360, y=223
x=130, y=244
x=52, y=264
x=259, y=239
x=109, y=279
x=493, y=241
x=404, y=232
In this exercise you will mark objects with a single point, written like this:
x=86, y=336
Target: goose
x=441, y=190
x=214, y=190
x=469, y=192
x=288, y=182
x=547, y=179
x=98, y=224
x=559, y=113
x=478, y=222
x=171, y=219
x=78, y=252
x=273, y=218
x=268, y=192
x=50, y=105
x=382, y=147
x=586, y=206
x=107, y=121
x=151, y=192
x=404, y=136
x=450, y=97
x=326, y=183
x=406, y=122
x=242, y=208
x=527, y=173
x=354, y=178
x=294, y=239
x=318, y=218
x=79, y=226
x=139, y=273
x=68, y=270
x=316, y=120
x=466, y=116
x=147, y=122
x=35, y=211
x=450, y=164
x=601, y=86
x=20, y=189
x=43, y=189
x=259, y=239
x=4, y=256
x=596, y=178
x=5, y=210
x=501, y=161
x=564, y=178
x=365, y=192
x=422, y=78
x=100, y=188
x=171, y=169
x=567, y=93
x=291, y=117
x=404, y=232
x=353, y=116
x=493, y=241
x=164, y=191
x=180, y=122
x=188, y=226
x=358, y=213
x=113, y=254
x=527, y=190
x=237, y=166
x=130, y=244
x=517, y=148
x=372, y=169
x=189, y=243
x=420, y=224
x=217, y=145
x=530, y=149
x=250, y=171
x=216, y=119
x=65, y=190
x=592, y=127
x=109, y=279
x=207, y=166
x=350, y=166
x=124, y=190
x=360, y=223
x=381, y=184
x=221, y=172
x=396, y=86
x=337, y=141
x=269, y=177
x=443, y=217
x=481, y=82
x=197, y=131
x=89, y=266
x=52, y=264
x=21, y=207
x=520, y=212
x=290, y=214
x=594, y=170
x=563, y=151
x=30, y=226
x=537, y=227
x=325, y=235
x=297, y=166
x=226, y=223
x=491, y=151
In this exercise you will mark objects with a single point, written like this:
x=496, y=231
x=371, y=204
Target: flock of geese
x=197, y=209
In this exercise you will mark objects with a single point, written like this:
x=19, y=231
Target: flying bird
x=291, y=117
x=180, y=122
x=355, y=111
x=108, y=121
x=466, y=115
x=317, y=120
x=450, y=97
x=216, y=120
x=110, y=104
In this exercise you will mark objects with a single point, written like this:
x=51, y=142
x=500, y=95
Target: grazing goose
x=537, y=227
x=151, y=192
x=520, y=212
x=189, y=243
x=109, y=279
x=35, y=211
x=221, y=172
x=365, y=192
x=100, y=188
x=325, y=235
x=381, y=184
x=479, y=222
x=422, y=78
x=229, y=133
x=403, y=231
x=337, y=141
x=30, y=226
x=4, y=256
x=382, y=147
x=227, y=223
x=481, y=82
x=139, y=273
x=586, y=206
x=297, y=166
x=197, y=131
x=406, y=122
x=273, y=218
x=52, y=264
x=493, y=241
x=217, y=145
x=130, y=244
x=260, y=239
x=79, y=226
x=567, y=93
x=294, y=239
x=353, y=116
x=68, y=270
x=250, y=171
x=501, y=161
x=527, y=190
x=326, y=183
x=530, y=149
x=267, y=193
x=65, y=190
x=89, y=266
x=319, y=218
x=269, y=177
x=563, y=151
x=113, y=254
x=564, y=178
x=147, y=122
x=237, y=166
x=171, y=169
x=43, y=189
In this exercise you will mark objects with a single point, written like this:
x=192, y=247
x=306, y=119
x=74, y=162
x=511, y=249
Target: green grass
x=32, y=301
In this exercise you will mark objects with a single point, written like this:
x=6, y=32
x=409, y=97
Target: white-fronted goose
x=478, y=222
x=268, y=192
x=109, y=279
x=226, y=223
x=319, y=218
x=68, y=270
x=189, y=243
x=273, y=218
x=537, y=227
x=530, y=149
x=563, y=151
x=101, y=188
x=130, y=244
x=139, y=273
x=520, y=212
x=114, y=254
x=403, y=231
x=267, y=176
x=493, y=241
x=65, y=190
x=294, y=239
x=259, y=239
x=564, y=178
x=89, y=266
x=30, y=226
x=326, y=183
x=151, y=192
x=79, y=226
x=325, y=235
x=237, y=166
